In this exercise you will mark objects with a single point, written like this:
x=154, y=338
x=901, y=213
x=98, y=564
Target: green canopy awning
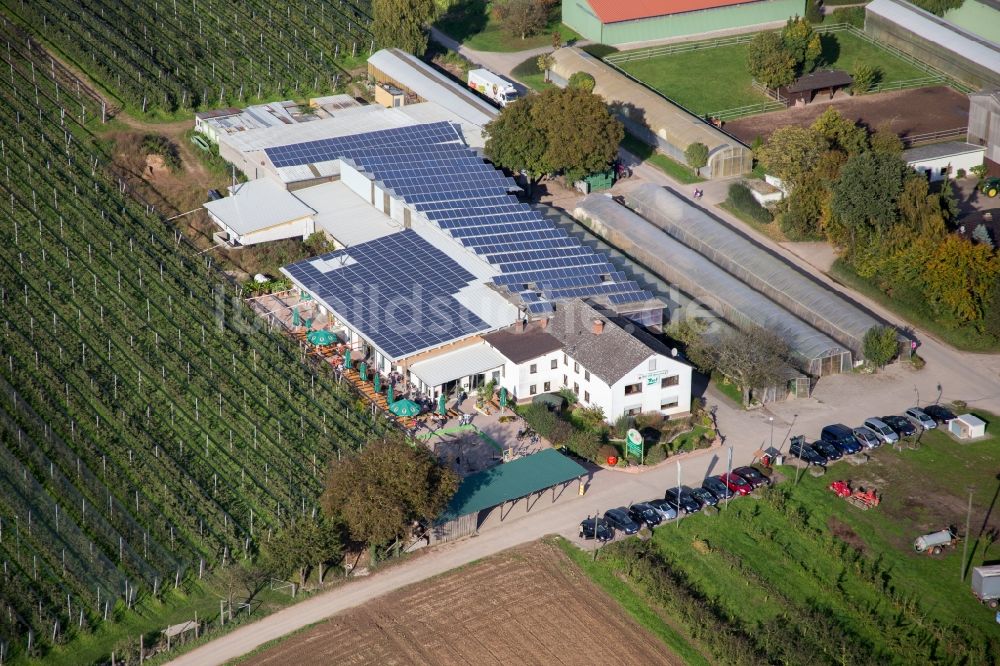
x=389, y=394
x=378, y=383
x=363, y=371
x=321, y=338
x=503, y=397
x=347, y=359
x=296, y=317
x=404, y=408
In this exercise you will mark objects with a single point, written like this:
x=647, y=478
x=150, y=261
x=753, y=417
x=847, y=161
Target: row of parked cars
x=676, y=501
x=838, y=440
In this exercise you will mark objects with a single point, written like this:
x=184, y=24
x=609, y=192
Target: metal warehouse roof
x=760, y=269
x=667, y=120
x=939, y=150
x=945, y=34
x=511, y=481
x=702, y=278
x=256, y=205
x=472, y=360
x=611, y=11
x=431, y=85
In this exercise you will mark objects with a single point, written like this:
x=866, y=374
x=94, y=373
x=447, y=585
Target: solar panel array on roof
x=397, y=291
x=431, y=168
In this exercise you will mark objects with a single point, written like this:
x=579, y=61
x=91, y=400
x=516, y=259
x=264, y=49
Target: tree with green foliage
x=865, y=195
x=880, y=345
x=754, y=359
x=803, y=210
x=982, y=236
x=886, y=142
x=814, y=12
x=566, y=130
x=864, y=77
x=380, y=491
x=696, y=155
x=791, y=152
x=545, y=63
x=521, y=18
x=582, y=80
x=318, y=243
x=769, y=62
x=302, y=544
x=938, y=7
x=840, y=133
x=401, y=24
x=802, y=43
x=959, y=278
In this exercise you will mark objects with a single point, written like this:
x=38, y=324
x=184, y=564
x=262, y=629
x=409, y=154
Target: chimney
x=544, y=323
x=598, y=327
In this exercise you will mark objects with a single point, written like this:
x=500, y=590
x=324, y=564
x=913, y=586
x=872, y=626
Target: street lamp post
x=771, y=419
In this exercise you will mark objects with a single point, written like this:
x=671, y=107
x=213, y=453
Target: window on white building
x=652, y=364
x=672, y=380
x=633, y=411
x=576, y=367
x=565, y=360
x=670, y=404
x=554, y=364
x=547, y=386
x=632, y=389
x=533, y=389
x=586, y=375
x=586, y=396
x=533, y=368
x=565, y=380
x=576, y=388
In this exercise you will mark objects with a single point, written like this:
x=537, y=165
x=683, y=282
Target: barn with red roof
x=619, y=22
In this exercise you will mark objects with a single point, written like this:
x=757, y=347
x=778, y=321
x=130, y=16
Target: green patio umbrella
x=388, y=394
x=306, y=296
x=296, y=317
x=442, y=408
x=309, y=324
x=378, y=383
x=321, y=338
x=363, y=371
x=347, y=359
x=404, y=408
x=503, y=397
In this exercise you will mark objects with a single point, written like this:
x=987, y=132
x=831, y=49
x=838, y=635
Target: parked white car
x=920, y=417
x=881, y=429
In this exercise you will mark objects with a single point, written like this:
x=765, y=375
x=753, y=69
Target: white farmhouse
x=592, y=354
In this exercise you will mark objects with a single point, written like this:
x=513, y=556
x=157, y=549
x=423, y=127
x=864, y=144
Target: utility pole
x=771, y=419
x=965, y=541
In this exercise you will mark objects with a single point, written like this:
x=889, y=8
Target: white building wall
x=941, y=166
x=518, y=378
x=359, y=183
x=653, y=395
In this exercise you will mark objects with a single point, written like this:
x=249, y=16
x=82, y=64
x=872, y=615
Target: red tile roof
x=611, y=11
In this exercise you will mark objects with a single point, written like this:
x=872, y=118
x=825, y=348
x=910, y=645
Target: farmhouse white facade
x=943, y=160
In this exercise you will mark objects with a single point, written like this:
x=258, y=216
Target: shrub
x=607, y=451
x=880, y=345
x=696, y=155
x=982, y=236
x=561, y=433
x=959, y=406
x=568, y=396
x=649, y=420
x=622, y=425
x=852, y=15
x=741, y=200
x=582, y=80
x=584, y=443
x=865, y=77
x=979, y=171
x=917, y=362
x=656, y=454
x=540, y=419
x=814, y=12
x=960, y=173
x=590, y=418
x=157, y=144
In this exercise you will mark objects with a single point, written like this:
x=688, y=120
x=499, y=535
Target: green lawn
x=761, y=561
x=469, y=22
x=679, y=172
x=529, y=74
x=712, y=80
x=964, y=337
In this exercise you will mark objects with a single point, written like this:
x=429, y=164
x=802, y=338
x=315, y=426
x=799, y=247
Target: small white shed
x=967, y=426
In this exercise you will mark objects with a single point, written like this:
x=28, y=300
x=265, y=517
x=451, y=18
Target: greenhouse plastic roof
x=771, y=275
x=945, y=34
x=700, y=277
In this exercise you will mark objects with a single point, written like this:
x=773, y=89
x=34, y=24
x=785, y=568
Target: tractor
x=990, y=187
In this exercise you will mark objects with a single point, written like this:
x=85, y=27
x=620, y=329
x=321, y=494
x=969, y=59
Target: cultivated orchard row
x=150, y=425
x=171, y=55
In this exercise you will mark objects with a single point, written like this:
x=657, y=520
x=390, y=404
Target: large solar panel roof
x=397, y=291
x=431, y=169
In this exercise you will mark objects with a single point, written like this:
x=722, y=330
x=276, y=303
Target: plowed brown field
x=530, y=605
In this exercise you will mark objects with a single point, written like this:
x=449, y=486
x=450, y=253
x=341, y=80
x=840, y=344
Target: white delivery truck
x=498, y=89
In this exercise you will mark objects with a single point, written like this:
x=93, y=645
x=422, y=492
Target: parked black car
x=705, y=496
x=752, y=476
x=604, y=530
x=901, y=425
x=939, y=413
x=806, y=453
x=620, y=521
x=644, y=514
x=715, y=486
x=842, y=437
x=682, y=500
x=827, y=450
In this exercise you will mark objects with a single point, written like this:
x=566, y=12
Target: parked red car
x=735, y=483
